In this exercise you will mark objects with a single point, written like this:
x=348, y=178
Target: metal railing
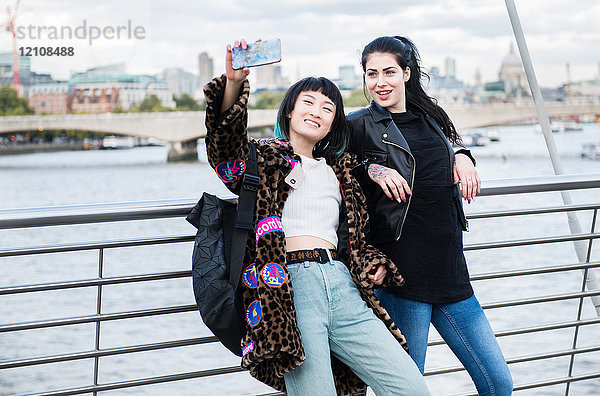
x=84, y=214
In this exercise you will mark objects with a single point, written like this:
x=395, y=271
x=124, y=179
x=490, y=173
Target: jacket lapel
x=390, y=133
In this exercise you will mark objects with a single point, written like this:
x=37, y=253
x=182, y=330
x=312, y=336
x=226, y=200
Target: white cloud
x=319, y=35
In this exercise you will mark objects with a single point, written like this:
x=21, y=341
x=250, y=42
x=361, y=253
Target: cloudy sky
x=318, y=36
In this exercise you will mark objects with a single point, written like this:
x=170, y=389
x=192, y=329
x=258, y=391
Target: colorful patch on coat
x=268, y=225
x=291, y=161
x=248, y=348
x=254, y=313
x=273, y=274
x=250, y=276
x=231, y=171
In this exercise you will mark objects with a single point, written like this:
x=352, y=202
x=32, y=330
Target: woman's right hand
x=393, y=185
x=235, y=78
x=235, y=75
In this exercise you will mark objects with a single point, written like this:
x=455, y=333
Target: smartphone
x=257, y=54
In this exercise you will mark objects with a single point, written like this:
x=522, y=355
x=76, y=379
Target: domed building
x=513, y=75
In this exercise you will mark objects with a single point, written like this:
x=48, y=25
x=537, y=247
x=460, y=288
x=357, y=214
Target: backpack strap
x=244, y=216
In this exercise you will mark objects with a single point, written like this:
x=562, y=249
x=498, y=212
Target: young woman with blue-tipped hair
x=313, y=324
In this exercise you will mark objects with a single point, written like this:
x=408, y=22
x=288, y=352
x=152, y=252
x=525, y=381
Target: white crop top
x=313, y=208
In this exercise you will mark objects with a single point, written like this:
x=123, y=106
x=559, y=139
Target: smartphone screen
x=257, y=53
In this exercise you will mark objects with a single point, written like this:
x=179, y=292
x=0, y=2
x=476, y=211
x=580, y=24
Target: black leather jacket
x=376, y=139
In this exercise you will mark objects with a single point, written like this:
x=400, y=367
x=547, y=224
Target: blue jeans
x=334, y=319
x=466, y=330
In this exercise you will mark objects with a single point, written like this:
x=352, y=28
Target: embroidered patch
x=254, y=313
x=267, y=225
x=250, y=276
x=273, y=274
x=291, y=161
x=231, y=171
x=248, y=348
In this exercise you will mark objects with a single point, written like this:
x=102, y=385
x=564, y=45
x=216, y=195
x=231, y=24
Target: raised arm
x=226, y=122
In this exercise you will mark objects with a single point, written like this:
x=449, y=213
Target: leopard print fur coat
x=272, y=344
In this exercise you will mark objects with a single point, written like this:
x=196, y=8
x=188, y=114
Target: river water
x=70, y=178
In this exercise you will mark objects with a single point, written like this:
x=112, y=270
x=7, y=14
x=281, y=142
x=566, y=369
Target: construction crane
x=10, y=27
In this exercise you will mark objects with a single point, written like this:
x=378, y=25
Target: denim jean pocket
x=294, y=271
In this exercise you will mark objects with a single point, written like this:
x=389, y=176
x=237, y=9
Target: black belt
x=319, y=255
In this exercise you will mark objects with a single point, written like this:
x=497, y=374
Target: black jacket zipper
x=412, y=182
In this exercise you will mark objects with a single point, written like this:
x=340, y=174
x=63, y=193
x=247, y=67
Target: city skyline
x=318, y=37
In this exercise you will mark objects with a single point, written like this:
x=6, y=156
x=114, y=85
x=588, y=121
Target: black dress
x=429, y=252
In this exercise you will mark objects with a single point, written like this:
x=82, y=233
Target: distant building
x=477, y=78
x=27, y=78
x=114, y=69
x=449, y=67
x=94, y=98
x=49, y=98
x=513, y=75
x=205, y=69
x=180, y=81
x=445, y=88
x=269, y=77
x=348, y=78
x=6, y=65
x=102, y=93
x=587, y=88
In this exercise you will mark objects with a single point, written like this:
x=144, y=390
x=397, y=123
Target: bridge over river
x=182, y=129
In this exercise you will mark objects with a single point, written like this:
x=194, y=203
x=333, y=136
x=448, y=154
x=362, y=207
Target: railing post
x=574, y=225
x=98, y=311
x=580, y=307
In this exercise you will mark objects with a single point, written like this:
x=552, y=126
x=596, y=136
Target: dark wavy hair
x=334, y=143
x=407, y=55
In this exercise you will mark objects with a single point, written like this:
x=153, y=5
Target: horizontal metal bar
x=137, y=382
x=533, y=329
x=556, y=381
x=550, y=382
x=38, y=360
x=540, y=184
x=95, y=318
x=530, y=241
x=96, y=213
x=85, y=214
x=552, y=355
x=536, y=300
x=93, y=282
x=520, y=359
x=523, y=212
x=187, y=308
x=72, y=247
x=533, y=271
x=183, y=274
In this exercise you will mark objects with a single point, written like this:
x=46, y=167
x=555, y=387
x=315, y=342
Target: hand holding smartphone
x=256, y=54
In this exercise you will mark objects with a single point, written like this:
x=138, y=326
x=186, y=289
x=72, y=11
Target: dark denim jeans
x=466, y=330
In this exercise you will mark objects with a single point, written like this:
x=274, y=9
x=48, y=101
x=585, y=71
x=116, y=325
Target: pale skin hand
x=465, y=173
x=393, y=185
x=235, y=78
x=379, y=275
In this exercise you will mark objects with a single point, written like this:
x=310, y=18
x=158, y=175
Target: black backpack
x=218, y=256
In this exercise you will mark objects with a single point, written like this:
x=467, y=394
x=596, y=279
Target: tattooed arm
x=390, y=181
